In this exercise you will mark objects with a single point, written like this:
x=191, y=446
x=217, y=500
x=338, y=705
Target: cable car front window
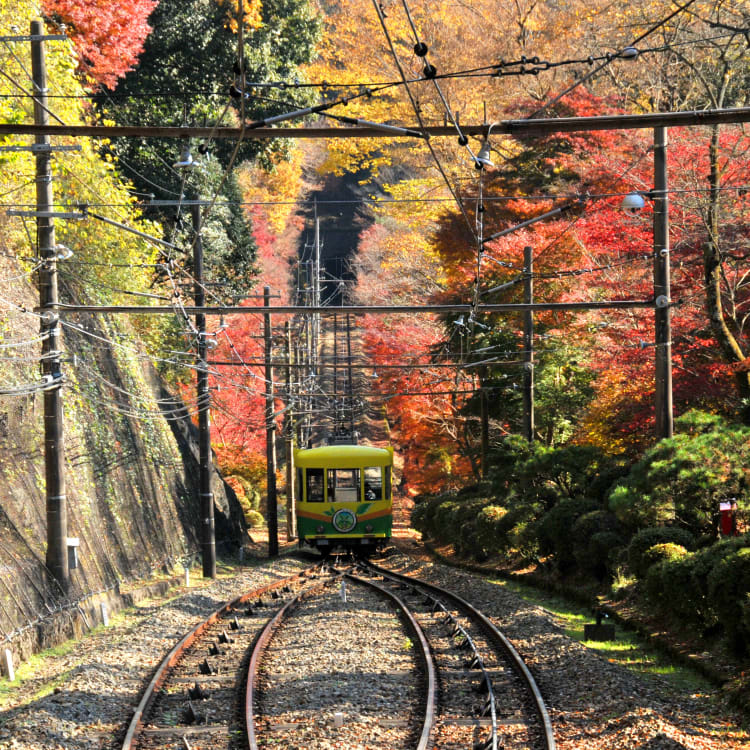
x=373, y=483
x=343, y=485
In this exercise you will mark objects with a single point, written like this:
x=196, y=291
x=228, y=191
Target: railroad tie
x=197, y=693
x=206, y=668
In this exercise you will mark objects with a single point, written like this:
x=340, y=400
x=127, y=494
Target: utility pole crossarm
x=359, y=309
x=506, y=127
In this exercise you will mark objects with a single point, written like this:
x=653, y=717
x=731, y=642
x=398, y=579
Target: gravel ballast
x=97, y=686
x=594, y=704
x=345, y=654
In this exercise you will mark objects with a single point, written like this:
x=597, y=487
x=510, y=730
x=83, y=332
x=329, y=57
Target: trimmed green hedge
x=728, y=587
x=555, y=529
x=647, y=538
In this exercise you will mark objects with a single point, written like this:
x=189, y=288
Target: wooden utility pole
x=662, y=291
x=208, y=532
x=528, y=346
x=271, y=504
x=484, y=424
x=289, y=430
x=54, y=448
x=349, y=382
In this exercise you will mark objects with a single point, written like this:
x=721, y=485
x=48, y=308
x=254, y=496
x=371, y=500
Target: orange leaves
x=107, y=36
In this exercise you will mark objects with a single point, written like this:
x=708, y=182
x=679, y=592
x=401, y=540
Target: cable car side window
x=373, y=483
x=315, y=485
x=387, y=473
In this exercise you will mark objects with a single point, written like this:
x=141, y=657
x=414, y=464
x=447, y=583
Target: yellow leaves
x=278, y=188
x=251, y=11
x=407, y=193
x=353, y=154
x=102, y=253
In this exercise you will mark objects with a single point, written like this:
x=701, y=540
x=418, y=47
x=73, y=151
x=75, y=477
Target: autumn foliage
x=107, y=36
x=240, y=401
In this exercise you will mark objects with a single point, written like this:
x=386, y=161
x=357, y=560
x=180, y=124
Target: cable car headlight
x=320, y=528
x=369, y=528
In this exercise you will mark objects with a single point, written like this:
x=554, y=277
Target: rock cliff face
x=131, y=478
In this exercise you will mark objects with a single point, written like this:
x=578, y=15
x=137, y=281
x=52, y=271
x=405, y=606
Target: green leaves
x=684, y=478
x=183, y=77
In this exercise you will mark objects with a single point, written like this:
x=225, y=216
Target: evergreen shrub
x=554, y=530
x=487, y=527
x=650, y=536
x=669, y=584
x=601, y=554
x=728, y=587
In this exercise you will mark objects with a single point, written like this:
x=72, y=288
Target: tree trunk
x=712, y=281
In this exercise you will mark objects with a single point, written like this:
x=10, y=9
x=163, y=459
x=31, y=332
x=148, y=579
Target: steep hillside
x=131, y=482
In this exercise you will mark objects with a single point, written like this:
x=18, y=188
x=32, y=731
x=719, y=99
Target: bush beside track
x=644, y=535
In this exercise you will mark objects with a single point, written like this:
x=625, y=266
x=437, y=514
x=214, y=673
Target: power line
x=606, y=62
x=417, y=112
x=357, y=309
x=743, y=188
x=526, y=64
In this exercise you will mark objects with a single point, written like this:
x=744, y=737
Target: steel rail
x=431, y=706
x=499, y=639
x=136, y=722
x=260, y=646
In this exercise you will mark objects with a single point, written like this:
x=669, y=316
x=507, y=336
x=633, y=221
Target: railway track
x=488, y=698
x=348, y=658
x=191, y=700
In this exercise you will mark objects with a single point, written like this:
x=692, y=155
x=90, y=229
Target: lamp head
x=633, y=203
x=483, y=158
x=186, y=158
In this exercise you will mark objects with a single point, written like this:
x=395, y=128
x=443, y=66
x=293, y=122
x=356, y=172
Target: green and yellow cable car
x=344, y=497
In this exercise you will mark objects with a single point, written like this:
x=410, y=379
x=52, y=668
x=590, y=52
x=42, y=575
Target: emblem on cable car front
x=344, y=520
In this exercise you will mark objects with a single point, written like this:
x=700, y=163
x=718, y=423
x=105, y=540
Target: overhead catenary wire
x=742, y=189
x=418, y=114
x=606, y=62
x=528, y=62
